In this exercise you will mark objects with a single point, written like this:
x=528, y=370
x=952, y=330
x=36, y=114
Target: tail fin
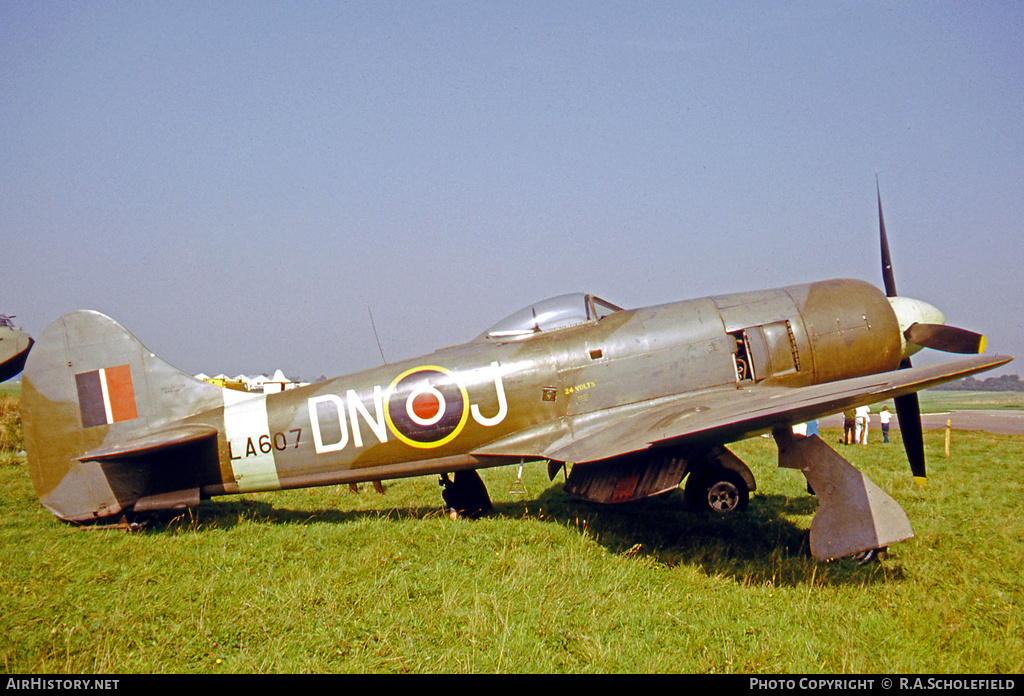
x=94, y=399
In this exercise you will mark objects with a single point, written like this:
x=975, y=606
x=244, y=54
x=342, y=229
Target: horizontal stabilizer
x=152, y=442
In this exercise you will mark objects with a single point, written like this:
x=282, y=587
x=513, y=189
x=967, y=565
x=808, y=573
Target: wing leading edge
x=719, y=416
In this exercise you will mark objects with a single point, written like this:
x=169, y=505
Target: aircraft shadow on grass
x=762, y=544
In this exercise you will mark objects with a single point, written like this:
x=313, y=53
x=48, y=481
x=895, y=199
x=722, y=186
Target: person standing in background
x=848, y=417
x=884, y=417
x=861, y=423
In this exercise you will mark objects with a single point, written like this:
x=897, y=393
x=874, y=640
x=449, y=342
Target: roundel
x=426, y=407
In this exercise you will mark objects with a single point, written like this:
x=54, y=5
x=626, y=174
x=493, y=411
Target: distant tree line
x=1003, y=383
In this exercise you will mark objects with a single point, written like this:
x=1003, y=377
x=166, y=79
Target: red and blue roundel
x=426, y=407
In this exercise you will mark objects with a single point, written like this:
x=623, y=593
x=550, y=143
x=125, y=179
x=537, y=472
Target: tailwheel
x=718, y=490
x=466, y=495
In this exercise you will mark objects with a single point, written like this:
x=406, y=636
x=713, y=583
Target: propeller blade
x=908, y=407
x=949, y=339
x=887, y=275
x=908, y=411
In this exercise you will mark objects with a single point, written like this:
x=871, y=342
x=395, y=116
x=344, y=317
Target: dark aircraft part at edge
x=14, y=348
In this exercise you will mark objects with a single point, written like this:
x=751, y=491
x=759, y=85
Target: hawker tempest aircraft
x=14, y=348
x=634, y=400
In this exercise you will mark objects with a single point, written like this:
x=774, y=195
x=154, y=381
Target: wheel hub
x=723, y=497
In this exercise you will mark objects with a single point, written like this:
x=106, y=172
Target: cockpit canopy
x=548, y=315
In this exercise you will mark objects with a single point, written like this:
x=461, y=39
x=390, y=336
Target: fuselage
x=429, y=414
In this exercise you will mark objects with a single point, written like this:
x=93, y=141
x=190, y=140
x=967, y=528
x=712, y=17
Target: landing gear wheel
x=871, y=556
x=719, y=490
x=466, y=496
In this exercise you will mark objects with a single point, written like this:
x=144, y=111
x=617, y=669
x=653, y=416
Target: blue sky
x=241, y=183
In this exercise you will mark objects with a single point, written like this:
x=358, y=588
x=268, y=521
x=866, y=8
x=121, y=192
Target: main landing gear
x=718, y=482
x=855, y=518
x=871, y=556
x=466, y=495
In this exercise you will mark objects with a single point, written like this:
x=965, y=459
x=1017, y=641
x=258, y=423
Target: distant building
x=278, y=383
x=257, y=385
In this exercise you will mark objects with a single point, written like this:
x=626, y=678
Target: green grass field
x=323, y=580
x=940, y=401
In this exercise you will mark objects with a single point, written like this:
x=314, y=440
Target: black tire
x=720, y=490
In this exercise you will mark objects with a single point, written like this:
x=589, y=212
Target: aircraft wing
x=719, y=416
